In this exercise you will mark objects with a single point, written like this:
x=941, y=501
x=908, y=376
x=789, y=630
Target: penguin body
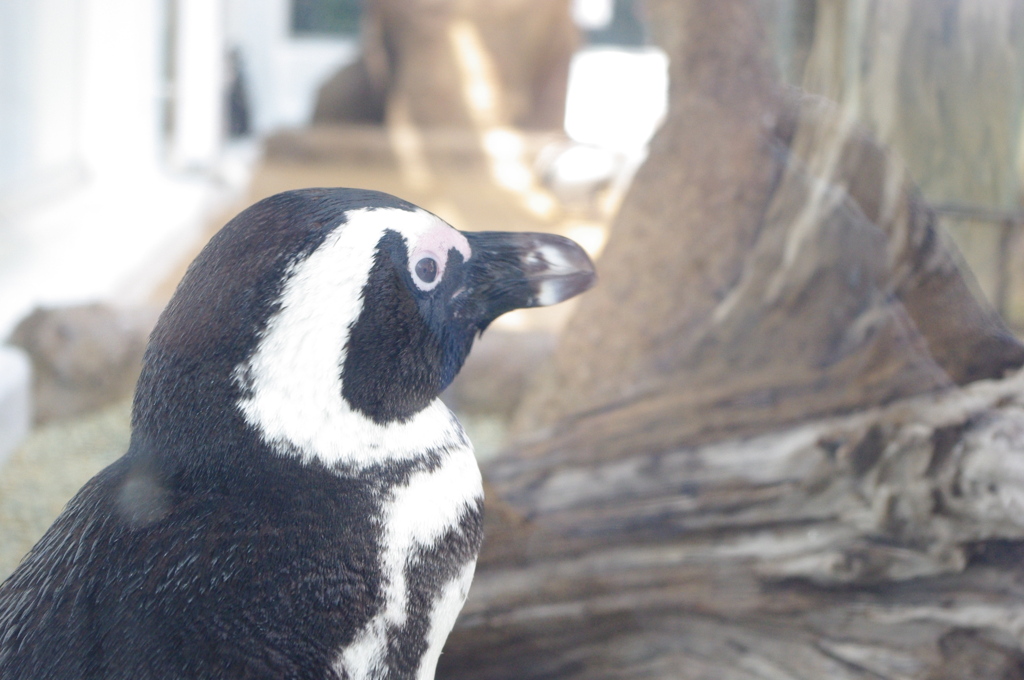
x=295, y=502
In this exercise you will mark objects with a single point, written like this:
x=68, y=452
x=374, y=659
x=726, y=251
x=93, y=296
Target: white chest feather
x=416, y=516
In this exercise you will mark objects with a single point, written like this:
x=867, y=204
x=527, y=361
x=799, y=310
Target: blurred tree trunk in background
x=693, y=214
x=771, y=263
x=458, y=63
x=938, y=81
x=725, y=471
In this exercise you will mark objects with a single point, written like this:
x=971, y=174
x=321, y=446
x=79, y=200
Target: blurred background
x=148, y=115
x=803, y=209
x=130, y=131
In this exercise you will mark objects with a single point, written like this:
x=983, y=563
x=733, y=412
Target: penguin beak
x=514, y=270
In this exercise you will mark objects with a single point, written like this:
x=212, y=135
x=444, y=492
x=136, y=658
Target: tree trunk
x=885, y=544
x=750, y=457
x=693, y=214
x=458, y=64
x=771, y=263
x=937, y=81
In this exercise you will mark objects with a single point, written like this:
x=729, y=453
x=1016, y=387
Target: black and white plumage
x=295, y=502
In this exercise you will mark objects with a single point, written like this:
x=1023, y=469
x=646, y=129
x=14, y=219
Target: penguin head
x=330, y=320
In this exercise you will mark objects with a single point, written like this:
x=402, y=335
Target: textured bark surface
x=447, y=63
x=758, y=276
x=937, y=81
x=885, y=544
x=695, y=210
x=777, y=440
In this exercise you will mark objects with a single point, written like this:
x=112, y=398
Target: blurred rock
x=350, y=96
x=83, y=357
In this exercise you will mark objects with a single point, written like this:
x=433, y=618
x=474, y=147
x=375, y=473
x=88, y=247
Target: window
x=326, y=17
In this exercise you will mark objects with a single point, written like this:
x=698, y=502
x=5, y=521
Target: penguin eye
x=426, y=269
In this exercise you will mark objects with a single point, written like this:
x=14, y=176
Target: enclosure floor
x=44, y=473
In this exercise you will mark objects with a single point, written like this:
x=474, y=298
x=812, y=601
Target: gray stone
x=350, y=96
x=83, y=357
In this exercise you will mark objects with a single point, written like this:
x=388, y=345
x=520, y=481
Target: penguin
x=295, y=501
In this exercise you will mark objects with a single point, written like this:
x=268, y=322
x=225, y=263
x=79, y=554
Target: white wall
x=40, y=91
x=122, y=87
x=91, y=208
x=80, y=87
x=199, y=85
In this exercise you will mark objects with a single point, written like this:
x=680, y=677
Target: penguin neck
x=337, y=436
x=225, y=422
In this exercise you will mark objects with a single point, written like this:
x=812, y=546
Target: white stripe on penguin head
x=292, y=382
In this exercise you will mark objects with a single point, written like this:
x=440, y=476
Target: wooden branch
x=749, y=457
x=883, y=544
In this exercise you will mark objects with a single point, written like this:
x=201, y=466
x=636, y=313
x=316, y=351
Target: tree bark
x=884, y=544
x=771, y=263
x=938, y=81
x=694, y=212
x=751, y=456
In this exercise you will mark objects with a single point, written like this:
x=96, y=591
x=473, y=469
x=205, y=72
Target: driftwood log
x=778, y=440
x=772, y=262
x=885, y=544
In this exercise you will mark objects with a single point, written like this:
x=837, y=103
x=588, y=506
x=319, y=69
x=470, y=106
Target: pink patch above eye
x=441, y=238
x=435, y=243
